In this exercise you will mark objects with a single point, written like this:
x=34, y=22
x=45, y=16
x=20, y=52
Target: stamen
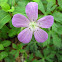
x=33, y=26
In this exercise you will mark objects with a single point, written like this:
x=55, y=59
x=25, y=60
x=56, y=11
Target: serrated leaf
x=54, y=27
x=7, y=49
x=20, y=9
x=14, y=46
x=4, y=18
x=31, y=57
x=17, y=54
x=46, y=52
x=4, y=31
x=38, y=54
x=41, y=7
x=57, y=28
x=6, y=43
x=36, y=60
x=19, y=46
x=50, y=7
x=13, y=52
x=1, y=47
x=60, y=3
x=50, y=55
x=56, y=40
x=11, y=2
x=59, y=57
x=12, y=32
x=22, y=51
x=10, y=58
x=58, y=16
x=3, y=55
x=53, y=1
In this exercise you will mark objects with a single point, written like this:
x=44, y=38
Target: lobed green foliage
x=11, y=49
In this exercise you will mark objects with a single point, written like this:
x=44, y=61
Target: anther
x=30, y=29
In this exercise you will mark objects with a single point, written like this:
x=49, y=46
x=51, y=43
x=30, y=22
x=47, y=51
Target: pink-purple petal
x=25, y=36
x=19, y=20
x=46, y=22
x=40, y=35
x=32, y=11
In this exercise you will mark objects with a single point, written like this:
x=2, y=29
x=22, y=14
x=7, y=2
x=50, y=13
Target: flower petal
x=32, y=11
x=46, y=22
x=25, y=36
x=40, y=35
x=19, y=20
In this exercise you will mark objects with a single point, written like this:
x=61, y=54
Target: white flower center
x=33, y=26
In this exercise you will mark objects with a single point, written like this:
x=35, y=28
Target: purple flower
x=32, y=25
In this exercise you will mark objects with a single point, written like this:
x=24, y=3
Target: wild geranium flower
x=32, y=24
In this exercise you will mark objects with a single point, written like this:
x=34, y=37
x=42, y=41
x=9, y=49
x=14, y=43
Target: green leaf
x=20, y=9
x=13, y=52
x=5, y=7
x=25, y=55
x=36, y=0
x=3, y=1
x=3, y=32
x=6, y=43
x=50, y=7
x=17, y=54
x=57, y=28
x=1, y=47
x=58, y=16
x=11, y=2
x=41, y=7
x=56, y=40
x=60, y=3
x=3, y=55
x=14, y=46
x=12, y=32
x=4, y=18
x=7, y=49
x=50, y=56
x=22, y=51
x=38, y=54
x=42, y=60
x=59, y=57
x=53, y=1
x=30, y=57
x=20, y=46
x=46, y=51
x=36, y=60
x=54, y=27
x=10, y=58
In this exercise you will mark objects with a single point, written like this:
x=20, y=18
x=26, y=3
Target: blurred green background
x=11, y=50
